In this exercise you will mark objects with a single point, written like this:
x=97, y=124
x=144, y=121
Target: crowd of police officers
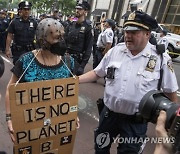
x=18, y=35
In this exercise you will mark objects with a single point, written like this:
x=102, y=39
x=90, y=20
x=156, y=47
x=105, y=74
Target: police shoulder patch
x=170, y=65
x=110, y=34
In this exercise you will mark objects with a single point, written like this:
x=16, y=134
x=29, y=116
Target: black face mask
x=58, y=48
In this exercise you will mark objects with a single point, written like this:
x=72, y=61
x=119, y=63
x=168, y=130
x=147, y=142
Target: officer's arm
x=88, y=77
x=172, y=96
x=66, y=31
x=8, y=43
x=107, y=47
x=87, y=47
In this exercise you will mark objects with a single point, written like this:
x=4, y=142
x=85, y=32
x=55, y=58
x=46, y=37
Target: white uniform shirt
x=132, y=81
x=164, y=41
x=105, y=37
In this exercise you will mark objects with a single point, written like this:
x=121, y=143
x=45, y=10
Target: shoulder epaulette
x=88, y=22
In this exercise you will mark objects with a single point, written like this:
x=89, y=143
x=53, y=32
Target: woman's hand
x=77, y=123
x=11, y=131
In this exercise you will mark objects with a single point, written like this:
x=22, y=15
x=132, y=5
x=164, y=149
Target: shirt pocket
x=19, y=28
x=81, y=35
x=148, y=80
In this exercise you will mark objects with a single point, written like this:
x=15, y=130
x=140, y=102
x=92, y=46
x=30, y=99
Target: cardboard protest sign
x=44, y=116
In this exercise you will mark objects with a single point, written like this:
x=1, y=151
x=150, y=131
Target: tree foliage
x=46, y=6
x=3, y=4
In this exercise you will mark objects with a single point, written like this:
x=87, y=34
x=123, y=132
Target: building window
x=177, y=20
x=173, y=14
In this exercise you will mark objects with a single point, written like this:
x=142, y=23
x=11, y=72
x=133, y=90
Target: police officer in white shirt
x=105, y=40
x=163, y=39
x=131, y=69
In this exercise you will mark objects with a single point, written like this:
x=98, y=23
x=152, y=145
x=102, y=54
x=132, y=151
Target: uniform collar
x=28, y=19
x=80, y=23
x=108, y=28
x=147, y=50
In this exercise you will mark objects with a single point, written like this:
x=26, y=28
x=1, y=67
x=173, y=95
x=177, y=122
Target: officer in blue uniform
x=132, y=69
x=79, y=39
x=4, y=23
x=22, y=31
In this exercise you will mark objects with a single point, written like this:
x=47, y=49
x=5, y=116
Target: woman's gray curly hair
x=47, y=28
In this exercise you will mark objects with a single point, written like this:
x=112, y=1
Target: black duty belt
x=137, y=118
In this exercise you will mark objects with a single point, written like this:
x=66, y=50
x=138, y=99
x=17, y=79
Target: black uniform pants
x=126, y=127
x=3, y=37
x=97, y=57
x=16, y=54
x=78, y=69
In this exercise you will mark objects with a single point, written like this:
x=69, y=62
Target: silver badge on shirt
x=82, y=30
x=31, y=25
x=151, y=63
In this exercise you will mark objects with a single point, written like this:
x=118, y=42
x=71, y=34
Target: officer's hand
x=11, y=131
x=165, y=148
x=8, y=53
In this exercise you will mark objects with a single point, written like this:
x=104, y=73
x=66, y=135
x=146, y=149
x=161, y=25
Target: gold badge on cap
x=170, y=65
x=26, y=3
x=132, y=16
x=151, y=63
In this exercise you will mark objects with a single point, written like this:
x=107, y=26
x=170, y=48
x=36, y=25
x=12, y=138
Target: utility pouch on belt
x=139, y=118
x=100, y=105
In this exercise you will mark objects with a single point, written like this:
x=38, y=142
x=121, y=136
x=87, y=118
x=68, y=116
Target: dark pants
x=94, y=56
x=16, y=54
x=78, y=69
x=113, y=124
x=3, y=37
x=97, y=57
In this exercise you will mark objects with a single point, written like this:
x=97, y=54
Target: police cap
x=43, y=15
x=139, y=20
x=25, y=4
x=55, y=10
x=164, y=31
x=110, y=22
x=3, y=12
x=83, y=5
